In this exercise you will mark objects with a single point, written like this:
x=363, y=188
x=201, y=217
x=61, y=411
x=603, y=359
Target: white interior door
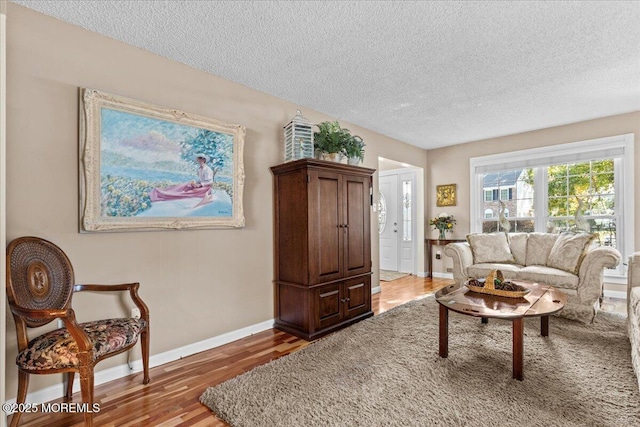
x=388, y=186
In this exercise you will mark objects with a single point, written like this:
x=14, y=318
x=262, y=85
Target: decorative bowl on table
x=495, y=284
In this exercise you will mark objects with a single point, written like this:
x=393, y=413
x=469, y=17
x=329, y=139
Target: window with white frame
x=579, y=186
x=407, y=220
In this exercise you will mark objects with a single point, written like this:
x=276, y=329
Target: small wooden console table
x=437, y=242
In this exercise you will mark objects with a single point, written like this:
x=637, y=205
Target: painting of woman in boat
x=146, y=167
x=152, y=168
x=200, y=188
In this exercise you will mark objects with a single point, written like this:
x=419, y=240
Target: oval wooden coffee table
x=542, y=301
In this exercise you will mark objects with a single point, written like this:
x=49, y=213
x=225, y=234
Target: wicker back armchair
x=40, y=284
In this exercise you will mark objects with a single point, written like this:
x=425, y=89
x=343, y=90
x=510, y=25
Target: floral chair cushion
x=58, y=350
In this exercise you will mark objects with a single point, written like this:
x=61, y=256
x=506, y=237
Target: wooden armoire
x=322, y=246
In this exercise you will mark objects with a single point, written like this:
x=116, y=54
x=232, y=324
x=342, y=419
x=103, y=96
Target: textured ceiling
x=428, y=73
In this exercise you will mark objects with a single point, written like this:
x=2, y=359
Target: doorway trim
x=400, y=218
x=419, y=201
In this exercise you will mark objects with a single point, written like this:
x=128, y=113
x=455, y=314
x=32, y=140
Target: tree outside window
x=582, y=198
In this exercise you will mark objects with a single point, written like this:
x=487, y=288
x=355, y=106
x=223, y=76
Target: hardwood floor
x=171, y=399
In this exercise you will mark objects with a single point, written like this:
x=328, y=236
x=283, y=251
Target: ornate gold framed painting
x=446, y=195
x=146, y=167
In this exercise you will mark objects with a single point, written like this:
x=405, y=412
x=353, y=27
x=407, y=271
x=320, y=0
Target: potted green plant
x=329, y=139
x=353, y=149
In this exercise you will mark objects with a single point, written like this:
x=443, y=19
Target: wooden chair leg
x=86, y=387
x=144, y=343
x=69, y=393
x=23, y=384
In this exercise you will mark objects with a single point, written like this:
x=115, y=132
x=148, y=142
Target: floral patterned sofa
x=633, y=310
x=566, y=261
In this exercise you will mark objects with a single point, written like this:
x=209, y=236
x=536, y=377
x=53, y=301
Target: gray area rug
x=385, y=371
x=388, y=276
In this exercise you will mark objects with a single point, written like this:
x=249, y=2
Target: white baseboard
x=443, y=275
x=421, y=274
x=376, y=290
x=616, y=280
x=57, y=391
x=615, y=294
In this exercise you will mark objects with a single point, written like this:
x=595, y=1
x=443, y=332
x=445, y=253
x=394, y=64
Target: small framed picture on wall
x=446, y=195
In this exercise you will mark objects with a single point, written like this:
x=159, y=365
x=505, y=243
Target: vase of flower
x=443, y=223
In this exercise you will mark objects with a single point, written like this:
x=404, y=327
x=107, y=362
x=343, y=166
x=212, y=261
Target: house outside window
x=507, y=188
x=575, y=187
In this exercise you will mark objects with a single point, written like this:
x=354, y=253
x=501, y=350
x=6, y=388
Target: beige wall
x=451, y=164
x=198, y=284
x=3, y=187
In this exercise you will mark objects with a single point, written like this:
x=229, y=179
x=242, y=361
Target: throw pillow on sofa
x=518, y=245
x=490, y=248
x=539, y=247
x=569, y=250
